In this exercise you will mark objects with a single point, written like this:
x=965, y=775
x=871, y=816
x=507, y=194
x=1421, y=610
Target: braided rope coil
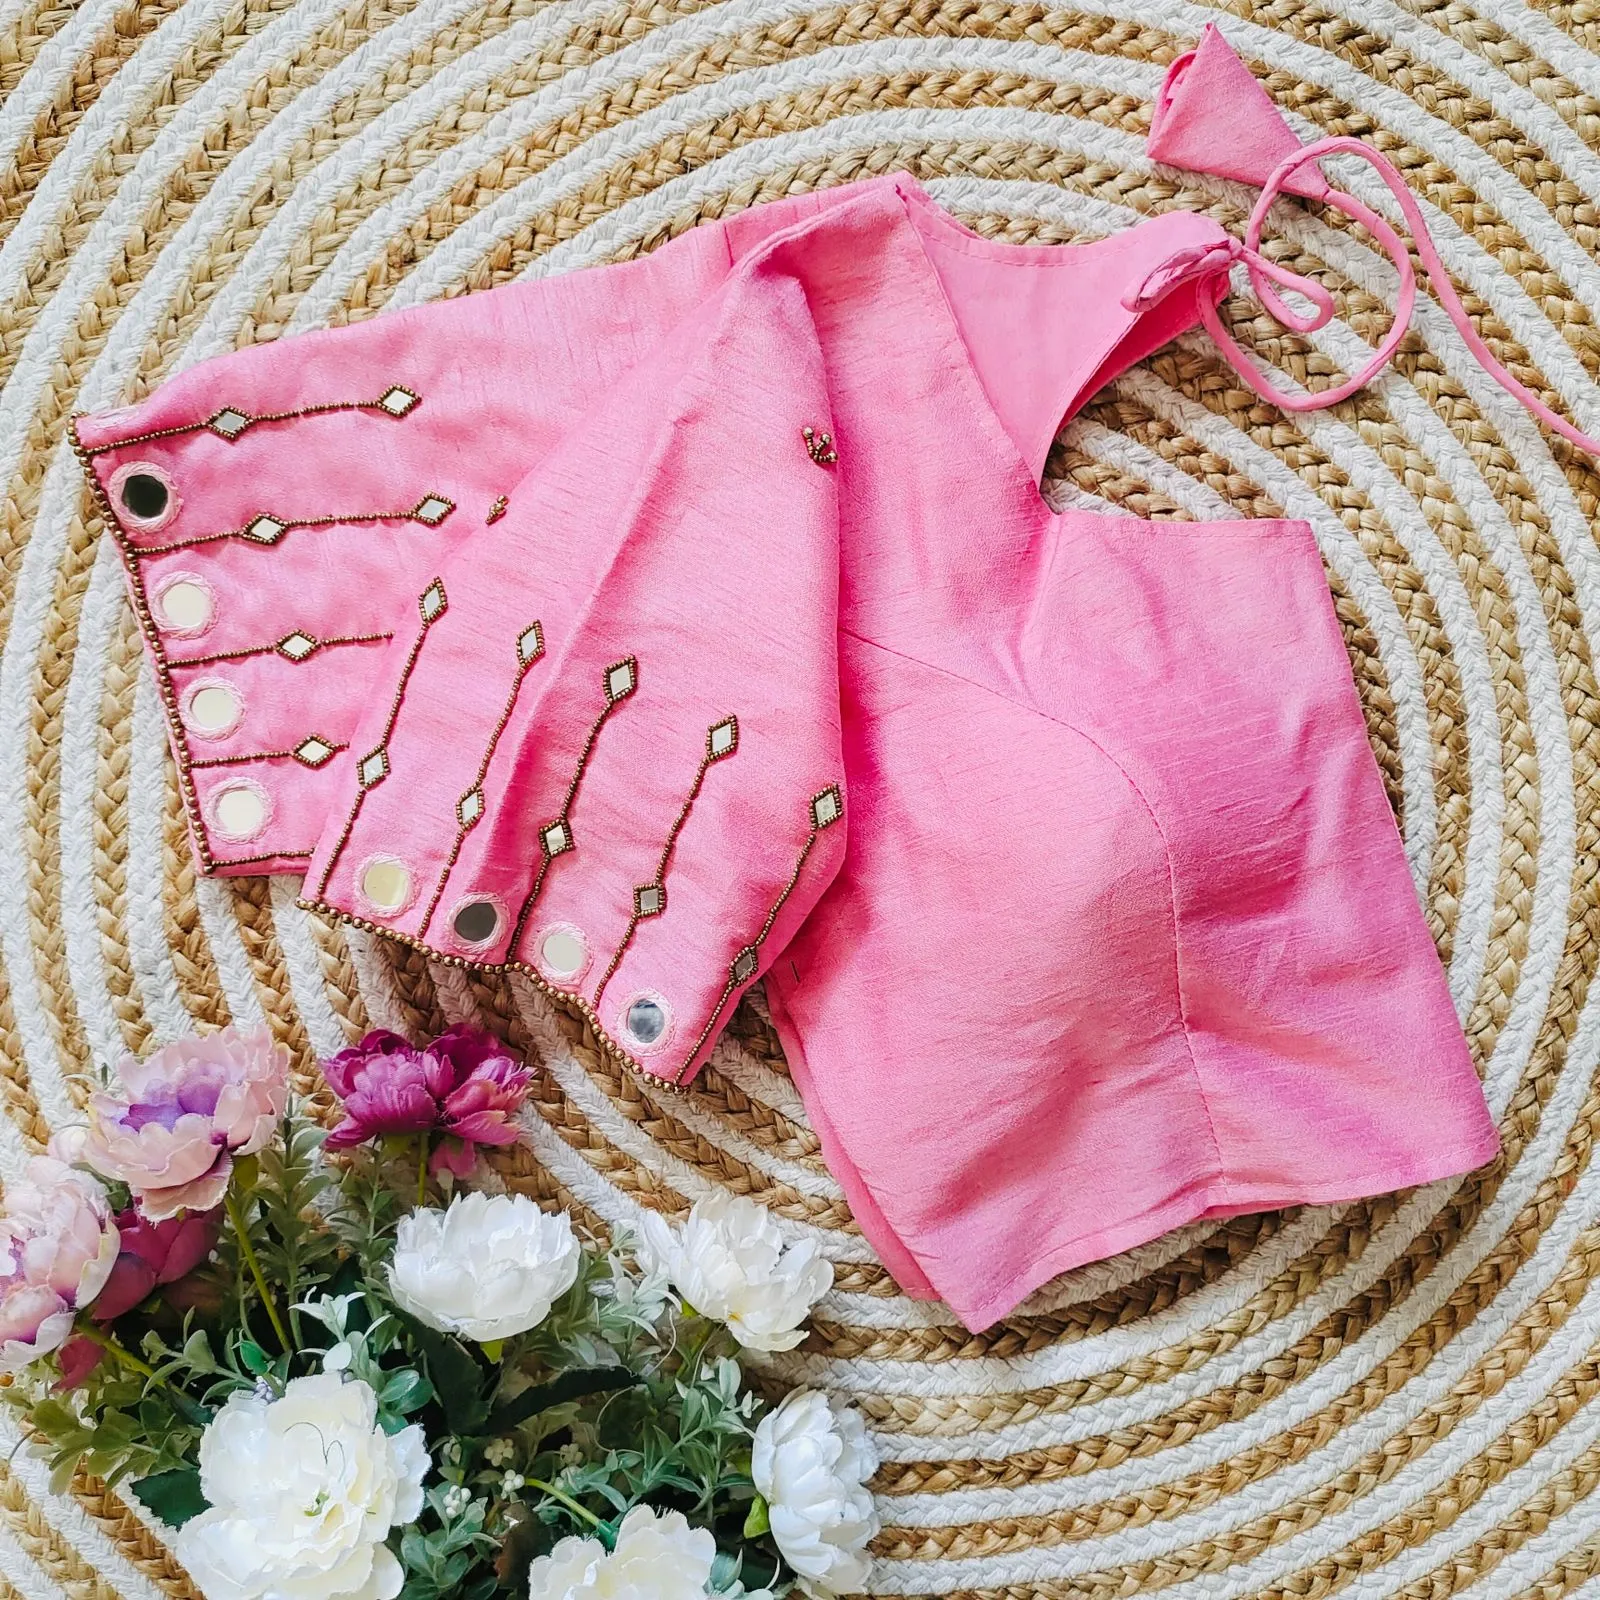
x=1394, y=1398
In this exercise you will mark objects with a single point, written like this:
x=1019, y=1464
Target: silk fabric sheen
x=1115, y=929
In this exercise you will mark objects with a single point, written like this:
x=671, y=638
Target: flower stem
x=695, y=1354
x=566, y=1500
x=247, y=1250
x=422, y=1169
x=87, y=1330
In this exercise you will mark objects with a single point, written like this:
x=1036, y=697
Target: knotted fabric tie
x=1215, y=261
x=1212, y=116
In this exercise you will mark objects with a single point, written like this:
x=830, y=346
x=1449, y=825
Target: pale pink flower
x=184, y=1114
x=58, y=1244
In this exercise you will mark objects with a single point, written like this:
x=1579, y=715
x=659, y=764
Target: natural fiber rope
x=1303, y=1404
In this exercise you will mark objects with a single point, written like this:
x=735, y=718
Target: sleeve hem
x=677, y=1084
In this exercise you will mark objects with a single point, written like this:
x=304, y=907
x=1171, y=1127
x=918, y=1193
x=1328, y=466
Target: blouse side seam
x=1161, y=834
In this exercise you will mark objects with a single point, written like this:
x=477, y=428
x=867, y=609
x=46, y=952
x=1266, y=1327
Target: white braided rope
x=1480, y=910
x=69, y=1519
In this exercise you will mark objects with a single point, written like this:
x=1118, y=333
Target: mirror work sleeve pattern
x=699, y=620
x=625, y=701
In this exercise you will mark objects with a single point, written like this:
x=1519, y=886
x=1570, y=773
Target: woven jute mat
x=1396, y=1397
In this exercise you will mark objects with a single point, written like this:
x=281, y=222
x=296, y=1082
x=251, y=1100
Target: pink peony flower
x=58, y=1244
x=154, y=1253
x=463, y=1086
x=184, y=1114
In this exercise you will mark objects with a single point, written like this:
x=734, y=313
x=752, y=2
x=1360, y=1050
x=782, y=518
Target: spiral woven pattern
x=1393, y=1398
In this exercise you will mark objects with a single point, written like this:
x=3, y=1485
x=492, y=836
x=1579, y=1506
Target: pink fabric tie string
x=1212, y=116
x=1213, y=262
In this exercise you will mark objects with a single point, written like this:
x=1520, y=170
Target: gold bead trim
x=156, y=644
x=826, y=808
x=722, y=740
x=820, y=445
x=267, y=529
x=331, y=746
x=270, y=855
x=471, y=806
x=617, y=683
x=284, y=647
x=396, y=401
x=445, y=958
x=431, y=604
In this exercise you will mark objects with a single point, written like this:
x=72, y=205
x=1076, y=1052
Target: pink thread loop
x=1385, y=235
x=1379, y=228
x=1215, y=261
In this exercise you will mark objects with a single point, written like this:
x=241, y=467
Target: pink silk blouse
x=677, y=623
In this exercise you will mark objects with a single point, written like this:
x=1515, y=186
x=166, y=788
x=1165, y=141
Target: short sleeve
x=609, y=754
x=278, y=510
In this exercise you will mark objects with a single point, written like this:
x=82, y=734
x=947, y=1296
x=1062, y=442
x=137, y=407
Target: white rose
x=811, y=1461
x=486, y=1267
x=656, y=1556
x=728, y=1262
x=303, y=1492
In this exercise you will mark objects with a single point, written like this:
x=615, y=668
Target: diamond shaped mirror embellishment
x=556, y=837
x=649, y=900
x=313, y=752
x=723, y=739
x=621, y=680
x=296, y=646
x=469, y=807
x=432, y=509
x=745, y=964
x=266, y=530
x=398, y=400
x=374, y=768
x=229, y=423
x=827, y=807
x=431, y=602
x=530, y=644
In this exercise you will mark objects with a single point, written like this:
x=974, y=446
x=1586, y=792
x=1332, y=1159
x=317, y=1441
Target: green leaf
x=406, y=1391
x=173, y=1496
x=55, y=1419
x=256, y=1359
x=414, y=1550
x=756, y=1522
x=197, y=1353
x=190, y=1410
x=559, y=1391
x=457, y=1378
x=61, y=1472
x=725, y=1569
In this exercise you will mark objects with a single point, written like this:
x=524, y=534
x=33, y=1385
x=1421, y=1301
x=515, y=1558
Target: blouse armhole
x=1046, y=329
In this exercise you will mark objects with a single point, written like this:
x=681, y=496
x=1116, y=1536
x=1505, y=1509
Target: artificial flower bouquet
x=347, y=1365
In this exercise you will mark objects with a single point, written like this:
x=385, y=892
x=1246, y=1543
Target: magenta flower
x=58, y=1245
x=184, y=1114
x=155, y=1253
x=463, y=1087
x=77, y=1358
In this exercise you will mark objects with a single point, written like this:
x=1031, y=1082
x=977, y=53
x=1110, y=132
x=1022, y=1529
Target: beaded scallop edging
x=140, y=601
x=537, y=979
